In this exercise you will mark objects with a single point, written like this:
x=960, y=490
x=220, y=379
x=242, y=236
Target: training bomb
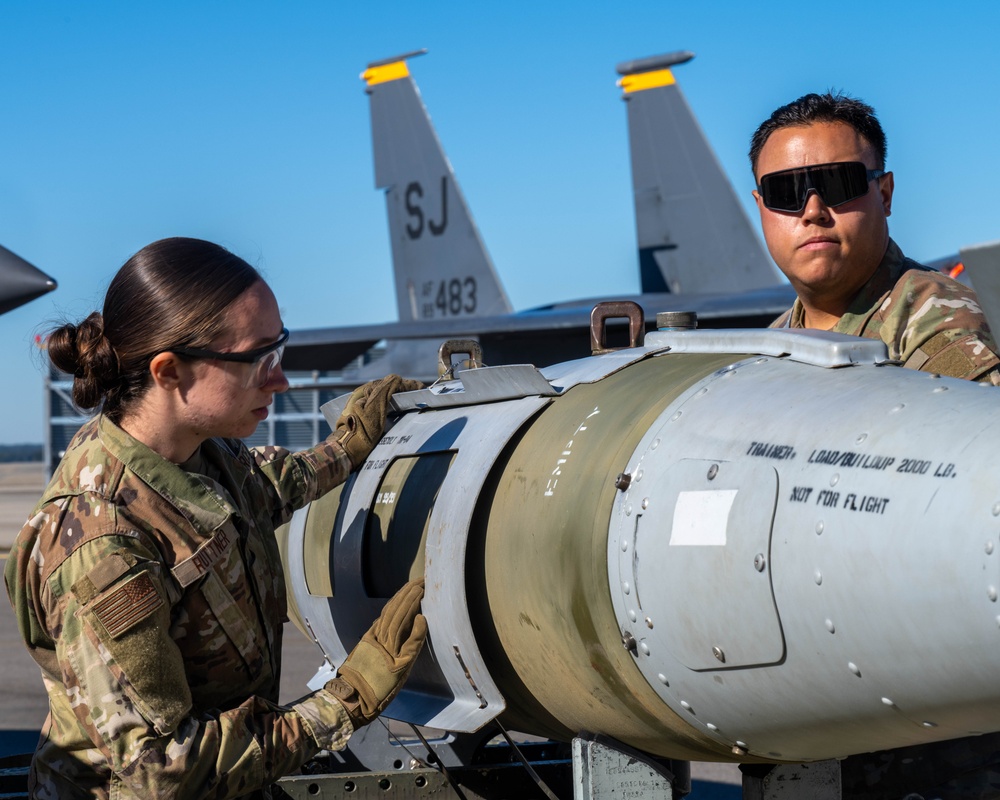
x=740, y=545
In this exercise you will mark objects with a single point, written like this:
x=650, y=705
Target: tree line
x=20, y=452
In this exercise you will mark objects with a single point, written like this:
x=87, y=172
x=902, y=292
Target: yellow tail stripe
x=385, y=73
x=646, y=80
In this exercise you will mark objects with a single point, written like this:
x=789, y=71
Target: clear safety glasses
x=836, y=184
x=263, y=360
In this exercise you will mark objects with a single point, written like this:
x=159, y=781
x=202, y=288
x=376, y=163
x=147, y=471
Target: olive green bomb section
x=318, y=544
x=552, y=642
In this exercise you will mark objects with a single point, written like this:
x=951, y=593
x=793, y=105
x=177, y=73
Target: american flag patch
x=128, y=605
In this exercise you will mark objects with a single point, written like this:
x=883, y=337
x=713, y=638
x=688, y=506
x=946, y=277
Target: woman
x=147, y=583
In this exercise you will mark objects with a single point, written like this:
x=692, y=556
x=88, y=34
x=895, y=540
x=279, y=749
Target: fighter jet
x=20, y=282
x=697, y=249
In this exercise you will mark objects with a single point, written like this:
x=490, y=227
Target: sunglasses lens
x=785, y=191
x=836, y=184
x=840, y=183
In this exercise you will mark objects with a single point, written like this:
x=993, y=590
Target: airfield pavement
x=23, y=703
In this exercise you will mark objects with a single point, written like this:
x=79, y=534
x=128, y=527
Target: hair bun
x=85, y=352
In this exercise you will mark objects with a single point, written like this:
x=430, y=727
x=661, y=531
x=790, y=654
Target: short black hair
x=829, y=107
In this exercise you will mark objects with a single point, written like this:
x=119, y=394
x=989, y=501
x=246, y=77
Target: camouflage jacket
x=153, y=600
x=927, y=320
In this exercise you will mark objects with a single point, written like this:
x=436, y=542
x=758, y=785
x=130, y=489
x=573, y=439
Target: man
x=824, y=197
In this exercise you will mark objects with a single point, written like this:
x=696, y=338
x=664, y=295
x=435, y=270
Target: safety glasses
x=836, y=184
x=264, y=360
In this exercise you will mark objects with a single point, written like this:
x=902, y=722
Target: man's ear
x=885, y=186
x=167, y=371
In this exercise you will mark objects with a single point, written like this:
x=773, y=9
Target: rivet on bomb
x=628, y=642
x=717, y=652
x=759, y=562
x=713, y=471
x=623, y=481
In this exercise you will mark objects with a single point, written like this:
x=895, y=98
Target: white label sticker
x=701, y=518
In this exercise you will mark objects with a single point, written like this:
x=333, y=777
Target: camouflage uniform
x=153, y=600
x=927, y=320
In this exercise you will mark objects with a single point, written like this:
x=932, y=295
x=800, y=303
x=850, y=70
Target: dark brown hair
x=172, y=293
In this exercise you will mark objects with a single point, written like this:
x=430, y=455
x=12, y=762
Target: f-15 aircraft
x=20, y=282
x=697, y=249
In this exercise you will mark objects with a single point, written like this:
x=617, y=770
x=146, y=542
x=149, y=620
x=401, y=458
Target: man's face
x=826, y=253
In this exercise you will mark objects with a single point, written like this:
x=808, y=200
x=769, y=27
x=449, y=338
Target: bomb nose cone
x=20, y=281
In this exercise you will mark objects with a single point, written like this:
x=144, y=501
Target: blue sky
x=246, y=123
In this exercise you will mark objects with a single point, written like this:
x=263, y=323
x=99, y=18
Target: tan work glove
x=377, y=668
x=361, y=425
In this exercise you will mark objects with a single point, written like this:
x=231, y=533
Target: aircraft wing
x=20, y=282
x=539, y=336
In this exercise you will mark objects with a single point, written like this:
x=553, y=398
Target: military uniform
x=152, y=598
x=927, y=320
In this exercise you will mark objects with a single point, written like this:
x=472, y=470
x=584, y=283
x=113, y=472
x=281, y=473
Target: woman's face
x=216, y=402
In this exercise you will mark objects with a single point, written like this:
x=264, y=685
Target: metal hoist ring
x=468, y=347
x=616, y=309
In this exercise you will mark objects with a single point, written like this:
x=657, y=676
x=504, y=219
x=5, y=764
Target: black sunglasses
x=836, y=184
x=264, y=359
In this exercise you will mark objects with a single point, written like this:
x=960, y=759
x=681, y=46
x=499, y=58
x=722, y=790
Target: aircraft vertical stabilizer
x=441, y=265
x=694, y=236
x=982, y=268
